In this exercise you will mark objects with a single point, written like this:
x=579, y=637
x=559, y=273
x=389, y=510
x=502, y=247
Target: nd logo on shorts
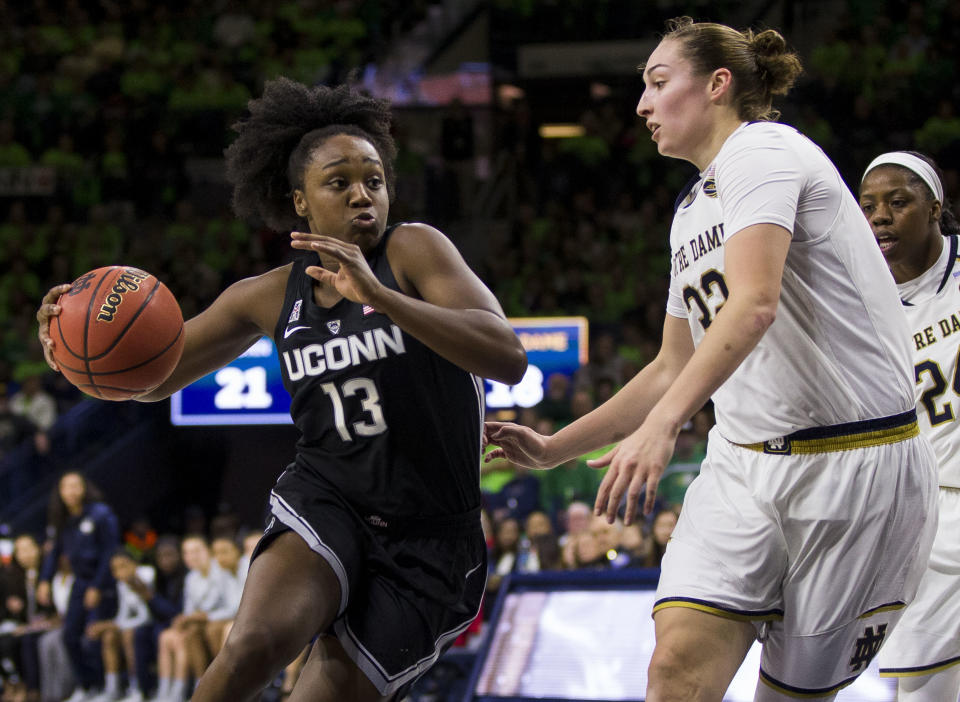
x=780, y=445
x=866, y=647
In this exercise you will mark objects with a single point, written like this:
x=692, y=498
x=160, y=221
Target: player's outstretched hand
x=353, y=279
x=636, y=464
x=517, y=443
x=49, y=308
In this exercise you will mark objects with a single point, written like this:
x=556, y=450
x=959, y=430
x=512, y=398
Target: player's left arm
x=447, y=307
x=753, y=268
x=754, y=259
x=442, y=303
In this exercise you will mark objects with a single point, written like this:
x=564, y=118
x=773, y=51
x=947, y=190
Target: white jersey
x=838, y=350
x=204, y=593
x=132, y=610
x=932, y=304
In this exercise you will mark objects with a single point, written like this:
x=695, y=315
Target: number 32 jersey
x=836, y=351
x=395, y=428
x=932, y=304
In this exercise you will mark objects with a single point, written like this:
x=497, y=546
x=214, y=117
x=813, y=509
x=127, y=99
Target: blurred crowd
x=96, y=610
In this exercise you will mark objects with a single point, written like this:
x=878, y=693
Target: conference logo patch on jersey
x=295, y=312
x=367, y=309
x=334, y=326
x=710, y=182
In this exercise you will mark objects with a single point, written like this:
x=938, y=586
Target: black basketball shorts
x=408, y=587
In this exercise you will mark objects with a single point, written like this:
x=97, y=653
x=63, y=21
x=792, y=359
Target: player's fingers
x=48, y=355
x=603, y=460
x=44, y=313
x=616, y=495
x=603, y=492
x=493, y=454
x=321, y=274
x=502, y=432
x=652, y=482
x=55, y=292
x=637, y=484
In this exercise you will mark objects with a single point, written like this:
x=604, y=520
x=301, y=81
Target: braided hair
x=274, y=144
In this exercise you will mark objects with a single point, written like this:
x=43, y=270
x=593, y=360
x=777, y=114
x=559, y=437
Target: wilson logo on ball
x=128, y=281
x=139, y=346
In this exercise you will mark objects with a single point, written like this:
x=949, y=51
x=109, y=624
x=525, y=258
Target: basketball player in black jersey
x=384, y=335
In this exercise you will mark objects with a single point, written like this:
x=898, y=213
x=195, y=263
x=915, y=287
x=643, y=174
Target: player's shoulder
x=414, y=243
x=413, y=233
x=99, y=510
x=756, y=147
x=262, y=286
x=763, y=135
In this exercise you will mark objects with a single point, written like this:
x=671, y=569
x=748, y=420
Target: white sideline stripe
x=286, y=514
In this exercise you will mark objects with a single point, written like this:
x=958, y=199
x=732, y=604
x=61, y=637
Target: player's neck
x=718, y=136
x=910, y=270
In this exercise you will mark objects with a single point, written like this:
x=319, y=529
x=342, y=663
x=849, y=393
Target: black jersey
x=388, y=422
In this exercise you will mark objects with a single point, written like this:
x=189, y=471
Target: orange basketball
x=119, y=332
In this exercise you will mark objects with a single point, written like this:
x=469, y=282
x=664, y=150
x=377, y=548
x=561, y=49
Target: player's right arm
x=241, y=314
x=612, y=421
x=244, y=312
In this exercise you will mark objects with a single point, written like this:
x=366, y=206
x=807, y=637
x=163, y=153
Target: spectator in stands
x=15, y=429
x=568, y=482
x=164, y=598
x=82, y=527
x=540, y=544
x=585, y=551
x=661, y=528
x=251, y=537
x=117, y=635
x=635, y=547
x=140, y=539
x=38, y=619
x=516, y=498
x=607, y=535
x=555, y=405
x=506, y=546
x=183, y=649
x=32, y=401
x=54, y=663
x=12, y=617
x=228, y=556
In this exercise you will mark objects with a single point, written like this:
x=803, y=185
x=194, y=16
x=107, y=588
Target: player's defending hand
x=518, y=444
x=353, y=278
x=49, y=308
x=636, y=464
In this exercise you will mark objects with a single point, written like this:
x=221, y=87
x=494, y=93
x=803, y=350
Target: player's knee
x=256, y=645
x=670, y=677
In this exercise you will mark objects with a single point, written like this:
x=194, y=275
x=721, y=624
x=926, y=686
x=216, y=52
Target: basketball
x=119, y=332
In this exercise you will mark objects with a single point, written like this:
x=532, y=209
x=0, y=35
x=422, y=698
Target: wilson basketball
x=119, y=332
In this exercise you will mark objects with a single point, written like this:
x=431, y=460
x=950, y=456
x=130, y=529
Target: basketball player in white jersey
x=808, y=526
x=903, y=199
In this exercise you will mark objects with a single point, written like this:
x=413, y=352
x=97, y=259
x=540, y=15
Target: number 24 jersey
x=932, y=304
